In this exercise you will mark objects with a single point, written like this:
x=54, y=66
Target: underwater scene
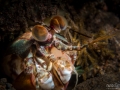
x=59, y=45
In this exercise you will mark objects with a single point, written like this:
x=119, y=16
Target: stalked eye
x=40, y=33
x=58, y=23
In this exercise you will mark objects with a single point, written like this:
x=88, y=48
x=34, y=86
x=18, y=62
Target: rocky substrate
x=103, y=82
x=5, y=85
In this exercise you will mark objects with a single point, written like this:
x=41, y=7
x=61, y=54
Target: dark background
x=18, y=15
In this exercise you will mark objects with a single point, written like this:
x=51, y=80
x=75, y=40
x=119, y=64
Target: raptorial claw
x=64, y=70
x=44, y=77
x=41, y=62
x=46, y=82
